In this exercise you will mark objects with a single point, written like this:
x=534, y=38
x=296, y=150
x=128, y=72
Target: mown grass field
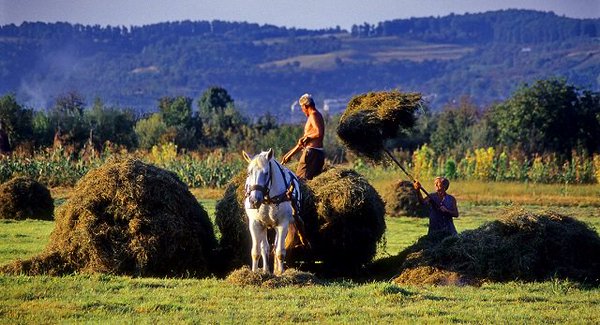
x=115, y=299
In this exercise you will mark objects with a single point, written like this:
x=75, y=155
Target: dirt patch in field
x=290, y=277
x=130, y=218
x=23, y=198
x=401, y=200
x=519, y=247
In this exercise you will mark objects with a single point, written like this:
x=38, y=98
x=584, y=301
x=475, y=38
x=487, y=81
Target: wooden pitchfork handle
x=411, y=178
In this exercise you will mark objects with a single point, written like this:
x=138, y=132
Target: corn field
x=60, y=168
x=487, y=164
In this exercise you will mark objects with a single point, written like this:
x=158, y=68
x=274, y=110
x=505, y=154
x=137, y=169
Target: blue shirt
x=438, y=220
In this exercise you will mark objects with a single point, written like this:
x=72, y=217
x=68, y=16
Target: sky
x=311, y=14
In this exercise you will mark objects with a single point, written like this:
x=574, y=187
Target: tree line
x=523, y=27
x=133, y=66
x=71, y=123
x=550, y=116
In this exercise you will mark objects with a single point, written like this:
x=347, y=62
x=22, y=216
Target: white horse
x=272, y=197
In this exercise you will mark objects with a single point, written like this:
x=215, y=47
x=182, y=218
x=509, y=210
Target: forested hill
x=265, y=68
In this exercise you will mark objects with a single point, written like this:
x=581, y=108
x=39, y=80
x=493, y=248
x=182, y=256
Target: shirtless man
x=313, y=157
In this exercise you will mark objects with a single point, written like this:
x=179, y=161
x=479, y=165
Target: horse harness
x=287, y=195
x=278, y=199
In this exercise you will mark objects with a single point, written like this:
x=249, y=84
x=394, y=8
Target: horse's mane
x=259, y=161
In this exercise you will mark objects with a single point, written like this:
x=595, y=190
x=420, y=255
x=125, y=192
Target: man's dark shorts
x=311, y=163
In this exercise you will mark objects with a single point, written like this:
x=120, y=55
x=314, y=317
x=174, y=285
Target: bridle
x=265, y=189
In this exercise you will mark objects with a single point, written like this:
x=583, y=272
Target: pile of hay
x=521, y=246
x=401, y=199
x=351, y=219
x=23, y=198
x=290, y=277
x=343, y=216
x=372, y=118
x=128, y=218
x=232, y=222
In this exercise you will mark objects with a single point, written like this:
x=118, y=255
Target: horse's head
x=259, y=177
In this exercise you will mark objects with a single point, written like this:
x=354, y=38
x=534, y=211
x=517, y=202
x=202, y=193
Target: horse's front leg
x=259, y=237
x=282, y=230
x=264, y=251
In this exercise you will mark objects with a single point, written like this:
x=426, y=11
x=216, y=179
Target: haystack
x=127, y=218
x=521, y=246
x=351, y=219
x=231, y=219
x=232, y=222
x=23, y=198
x=401, y=199
x=372, y=118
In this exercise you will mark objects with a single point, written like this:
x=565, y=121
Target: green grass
x=113, y=299
x=116, y=299
x=21, y=239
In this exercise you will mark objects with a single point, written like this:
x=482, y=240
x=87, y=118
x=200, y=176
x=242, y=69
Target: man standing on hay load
x=442, y=208
x=313, y=156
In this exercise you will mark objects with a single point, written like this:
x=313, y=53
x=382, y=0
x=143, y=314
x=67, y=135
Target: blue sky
x=291, y=13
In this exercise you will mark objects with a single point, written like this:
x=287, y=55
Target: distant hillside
x=265, y=68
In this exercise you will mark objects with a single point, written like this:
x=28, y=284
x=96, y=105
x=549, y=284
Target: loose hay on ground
x=291, y=277
x=372, y=118
x=128, y=218
x=401, y=199
x=23, y=198
x=521, y=246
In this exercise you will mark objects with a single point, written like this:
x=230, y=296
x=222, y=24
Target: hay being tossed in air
x=372, y=118
x=127, y=218
x=290, y=277
x=351, y=219
x=401, y=199
x=521, y=246
x=23, y=198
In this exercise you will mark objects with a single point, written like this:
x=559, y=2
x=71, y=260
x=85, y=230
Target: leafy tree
x=111, y=124
x=221, y=120
x=280, y=139
x=266, y=123
x=17, y=120
x=214, y=101
x=182, y=128
x=67, y=115
x=43, y=129
x=70, y=104
x=176, y=111
x=454, y=132
x=149, y=130
x=551, y=116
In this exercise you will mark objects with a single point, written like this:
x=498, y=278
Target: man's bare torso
x=314, y=128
